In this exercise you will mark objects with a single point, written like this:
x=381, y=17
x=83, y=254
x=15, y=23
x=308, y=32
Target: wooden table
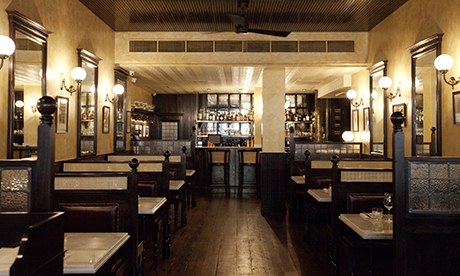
x=85, y=252
x=362, y=225
x=178, y=194
x=320, y=195
x=156, y=210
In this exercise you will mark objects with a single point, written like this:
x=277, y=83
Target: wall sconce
x=7, y=47
x=117, y=90
x=444, y=63
x=351, y=95
x=348, y=136
x=33, y=106
x=78, y=74
x=385, y=83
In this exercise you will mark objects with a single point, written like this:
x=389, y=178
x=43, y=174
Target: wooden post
x=308, y=178
x=433, y=143
x=399, y=241
x=44, y=176
x=333, y=254
x=291, y=151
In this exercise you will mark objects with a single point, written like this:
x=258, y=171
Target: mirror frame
x=120, y=75
x=86, y=56
x=419, y=49
x=377, y=68
x=39, y=34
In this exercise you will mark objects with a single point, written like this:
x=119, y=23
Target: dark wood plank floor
x=228, y=236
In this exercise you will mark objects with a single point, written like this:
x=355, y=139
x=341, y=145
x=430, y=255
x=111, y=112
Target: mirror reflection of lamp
x=351, y=95
x=385, y=83
x=366, y=135
x=7, y=47
x=117, y=90
x=348, y=136
x=443, y=64
x=33, y=106
x=78, y=74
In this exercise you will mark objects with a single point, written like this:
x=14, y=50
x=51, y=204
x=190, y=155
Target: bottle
x=200, y=114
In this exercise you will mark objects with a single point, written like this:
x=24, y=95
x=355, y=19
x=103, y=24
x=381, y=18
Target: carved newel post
x=397, y=118
x=41, y=199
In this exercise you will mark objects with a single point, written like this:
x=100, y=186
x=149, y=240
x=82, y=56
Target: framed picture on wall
x=62, y=114
x=456, y=107
x=105, y=119
x=401, y=108
x=355, y=120
x=366, y=118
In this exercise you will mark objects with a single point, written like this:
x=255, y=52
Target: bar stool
x=219, y=158
x=248, y=157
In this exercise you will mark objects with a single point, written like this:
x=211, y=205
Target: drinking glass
x=388, y=203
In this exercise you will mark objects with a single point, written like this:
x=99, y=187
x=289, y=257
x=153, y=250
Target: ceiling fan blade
x=269, y=32
x=237, y=19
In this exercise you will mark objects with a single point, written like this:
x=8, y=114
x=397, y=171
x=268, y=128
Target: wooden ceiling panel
x=212, y=15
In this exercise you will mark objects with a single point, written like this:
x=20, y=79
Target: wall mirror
x=87, y=104
x=426, y=98
x=378, y=110
x=27, y=83
x=120, y=124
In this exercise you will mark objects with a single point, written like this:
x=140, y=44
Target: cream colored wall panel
x=390, y=40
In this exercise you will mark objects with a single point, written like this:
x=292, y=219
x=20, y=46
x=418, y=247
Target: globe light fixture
x=348, y=136
x=351, y=95
x=7, y=47
x=78, y=74
x=385, y=83
x=117, y=90
x=443, y=64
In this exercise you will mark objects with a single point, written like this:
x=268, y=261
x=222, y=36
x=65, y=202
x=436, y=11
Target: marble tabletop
x=84, y=252
x=175, y=185
x=189, y=172
x=298, y=179
x=321, y=195
x=149, y=205
x=7, y=257
x=87, y=252
x=366, y=229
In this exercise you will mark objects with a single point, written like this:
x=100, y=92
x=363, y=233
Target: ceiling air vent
x=200, y=46
x=254, y=46
x=171, y=46
x=312, y=46
x=284, y=46
x=228, y=46
x=142, y=46
x=341, y=46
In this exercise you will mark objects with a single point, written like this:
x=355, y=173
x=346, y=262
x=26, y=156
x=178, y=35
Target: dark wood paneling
x=273, y=184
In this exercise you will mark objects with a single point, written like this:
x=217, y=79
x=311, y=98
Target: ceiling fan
x=242, y=26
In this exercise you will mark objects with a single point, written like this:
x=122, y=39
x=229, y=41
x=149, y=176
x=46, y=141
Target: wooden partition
x=93, y=189
x=426, y=212
x=24, y=236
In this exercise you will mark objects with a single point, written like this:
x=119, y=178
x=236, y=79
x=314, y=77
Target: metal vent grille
x=312, y=46
x=200, y=46
x=171, y=46
x=251, y=46
x=285, y=46
x=257, y=46
x=341, y=46
x=142, y=46
x=228, y=46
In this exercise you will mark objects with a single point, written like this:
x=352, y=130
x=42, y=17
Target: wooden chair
x=219, y=158
x=249, y=158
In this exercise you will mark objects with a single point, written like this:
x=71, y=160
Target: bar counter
x=202, y=166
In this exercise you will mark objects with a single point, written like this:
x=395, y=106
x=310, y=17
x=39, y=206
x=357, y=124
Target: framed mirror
x=27, y=83
x=87, y=104
x=120, y=115
x=378, y=110
x=426, y=98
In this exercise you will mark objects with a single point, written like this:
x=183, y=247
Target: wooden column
x=44, y=177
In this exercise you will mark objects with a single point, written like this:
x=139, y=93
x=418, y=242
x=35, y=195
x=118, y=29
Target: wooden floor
x=228, y=236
